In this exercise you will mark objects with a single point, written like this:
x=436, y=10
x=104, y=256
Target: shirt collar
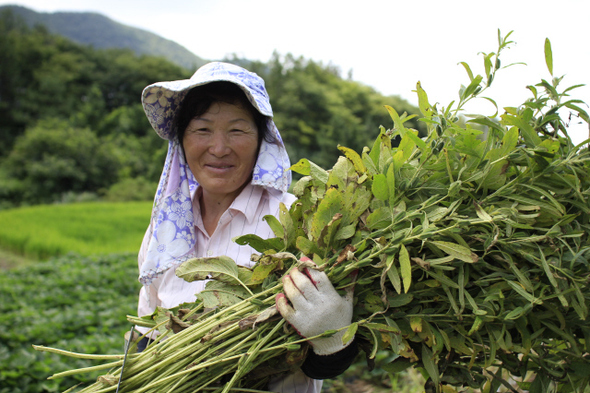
x=247, y=202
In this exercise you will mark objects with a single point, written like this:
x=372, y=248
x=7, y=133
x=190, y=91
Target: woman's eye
x=200, y=130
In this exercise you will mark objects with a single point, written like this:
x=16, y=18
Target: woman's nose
x=219, y=144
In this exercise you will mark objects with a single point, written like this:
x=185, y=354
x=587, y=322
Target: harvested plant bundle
x=472, y=254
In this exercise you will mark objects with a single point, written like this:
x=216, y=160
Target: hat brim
x=161, y=101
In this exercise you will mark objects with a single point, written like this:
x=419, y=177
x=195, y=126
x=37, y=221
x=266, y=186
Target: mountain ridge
x=101, y=32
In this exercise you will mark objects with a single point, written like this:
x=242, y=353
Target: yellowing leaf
x=354, y=157
x=302, y=167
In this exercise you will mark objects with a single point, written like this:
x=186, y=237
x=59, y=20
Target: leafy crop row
x=72, y=302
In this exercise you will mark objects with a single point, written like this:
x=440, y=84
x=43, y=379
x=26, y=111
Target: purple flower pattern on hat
x=172, y=239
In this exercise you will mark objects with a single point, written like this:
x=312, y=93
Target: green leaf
x=318, y=173
x=345, y=232
x=287, y=224
x=380, y=187
x=356, y=201
x=396, y=119
x=391, y=185
x=380, y=218
x=413, y=135
x=263, y=268
x=221, y=268
x=472, y=87
x=554, y=210
x=468, y=69
x=219, y=294
x=306, y=246
x=522, y=292
x=445, y=281
x=331, y=205
x=529, y=135
x=350, y=332
x=430, y=365
x=338, y=175
x=275, y=225
x=393, y=275
x=376, y=148
x=456, y=250
x=482, y=214
x=401, y=299
x=560, y=208
x=259, y=244
x=423, y=104
x=549, y=56
x=406, y=148
x=398, y=365
x=369, y=163
x=405, y=267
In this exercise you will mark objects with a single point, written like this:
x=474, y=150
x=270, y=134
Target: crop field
x=74, y=303
x=43, y=231
x=71, y=283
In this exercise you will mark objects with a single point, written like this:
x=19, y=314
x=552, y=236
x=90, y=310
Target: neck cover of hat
x=172, y=239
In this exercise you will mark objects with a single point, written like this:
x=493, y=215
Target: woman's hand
x=315, y=307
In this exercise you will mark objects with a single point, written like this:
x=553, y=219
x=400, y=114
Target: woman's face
x=221, y=147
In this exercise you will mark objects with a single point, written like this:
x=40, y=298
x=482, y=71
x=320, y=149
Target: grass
x=41, y=232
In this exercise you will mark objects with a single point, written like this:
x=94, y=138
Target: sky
x=389, y=45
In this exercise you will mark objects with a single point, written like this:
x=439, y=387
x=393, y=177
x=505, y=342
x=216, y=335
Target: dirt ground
x=9, y=260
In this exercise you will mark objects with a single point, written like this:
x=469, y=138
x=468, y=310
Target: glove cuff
x=329, y=345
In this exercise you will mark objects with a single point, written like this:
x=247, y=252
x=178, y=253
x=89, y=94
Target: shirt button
x=209, y=253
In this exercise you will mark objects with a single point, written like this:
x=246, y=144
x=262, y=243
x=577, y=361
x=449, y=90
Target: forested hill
x=72, y=126
x=101, y=32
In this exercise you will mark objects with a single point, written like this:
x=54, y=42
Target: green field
x=44, y=231
x=68, y=280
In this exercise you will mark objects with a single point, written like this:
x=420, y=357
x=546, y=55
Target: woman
x=226, y=169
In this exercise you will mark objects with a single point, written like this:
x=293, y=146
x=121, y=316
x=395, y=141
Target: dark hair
x=199, y=99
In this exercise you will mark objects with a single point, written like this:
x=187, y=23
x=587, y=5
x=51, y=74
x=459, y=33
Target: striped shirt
x=244, y=216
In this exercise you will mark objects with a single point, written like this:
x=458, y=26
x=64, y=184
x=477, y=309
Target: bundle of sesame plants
x=470, y=248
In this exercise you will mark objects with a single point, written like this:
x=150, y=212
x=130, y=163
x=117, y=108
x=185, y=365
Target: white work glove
x=316, y=307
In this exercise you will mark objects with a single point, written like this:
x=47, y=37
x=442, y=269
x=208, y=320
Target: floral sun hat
x=172, y=239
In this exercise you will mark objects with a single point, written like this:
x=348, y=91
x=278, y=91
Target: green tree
x=53, y=158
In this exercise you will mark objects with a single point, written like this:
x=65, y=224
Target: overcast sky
x=387, y=44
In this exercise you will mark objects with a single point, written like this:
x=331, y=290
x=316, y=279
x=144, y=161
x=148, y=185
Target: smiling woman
x=226, y=171
x=220, y=148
